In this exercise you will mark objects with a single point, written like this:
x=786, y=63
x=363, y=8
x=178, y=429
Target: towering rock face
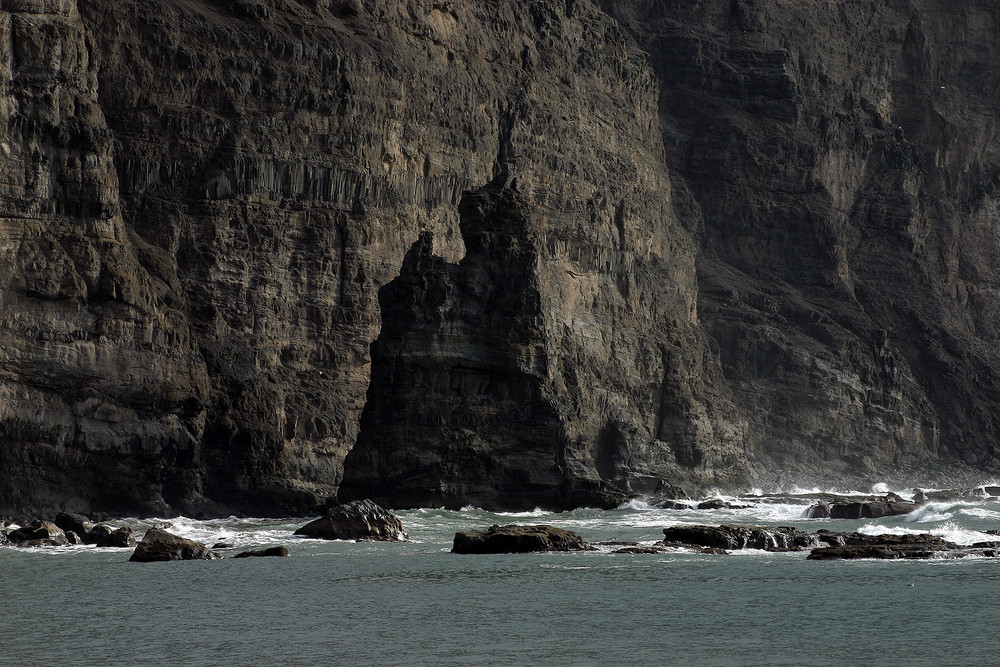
x=559, y=362
x=727, y=239
x=472, y=397
x=839, y=162
x=102, y=389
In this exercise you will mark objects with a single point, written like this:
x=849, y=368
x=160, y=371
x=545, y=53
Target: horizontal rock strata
x=724, y=244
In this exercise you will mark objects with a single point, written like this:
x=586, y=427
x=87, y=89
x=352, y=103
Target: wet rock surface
x=823, y=544
x=159, y=545
x=279, y=551
x=120, y=537
x=356, y=520
x=730, y=537
x=920, y=546
x=517, y=539
x=37, y=534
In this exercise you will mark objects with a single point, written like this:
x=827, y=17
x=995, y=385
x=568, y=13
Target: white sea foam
x=932, y=512
x=949, y=530
x=537, y=512
x=979, y=512
x=636, y=504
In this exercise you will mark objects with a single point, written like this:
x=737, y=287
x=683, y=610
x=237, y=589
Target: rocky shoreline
x=366, y=521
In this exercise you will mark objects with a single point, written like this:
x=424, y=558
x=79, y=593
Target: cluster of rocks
x=823, y=544
x=365, y=520
x=836, y=506
x=68, y=529
x=357, y=520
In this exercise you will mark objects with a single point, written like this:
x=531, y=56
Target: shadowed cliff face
x=748, y=241
x=839, y=163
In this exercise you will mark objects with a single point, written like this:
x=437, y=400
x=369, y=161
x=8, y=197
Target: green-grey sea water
x=415, y=603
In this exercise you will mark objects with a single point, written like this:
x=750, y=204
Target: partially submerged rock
x=517, y=539
x=640, y=550
x=920, y=546
x=731, y=537
x=356, y=520
x=159, y=545
x=280, y=551
x=76, y=523
x=120, y=537
x=38, y=534
x=720, y=504
x=825, y=544
x=870, y=510
x=99, y=532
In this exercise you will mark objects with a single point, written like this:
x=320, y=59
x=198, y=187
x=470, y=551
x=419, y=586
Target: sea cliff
x=507, y=253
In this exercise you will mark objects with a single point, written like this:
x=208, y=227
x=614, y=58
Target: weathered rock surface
x=836, y=163
x=279, y=551
x=356, y=520
x=870, y=510
x=76, y=523
x=99, y=532
x=731, y=537
x=37, y=534
x=729, y=242
x=517, y=539
x=120, y=537
x=921, y=546
x=159, y=545
x=823, y=544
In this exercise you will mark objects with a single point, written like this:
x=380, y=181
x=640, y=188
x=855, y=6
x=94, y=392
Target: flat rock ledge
x=824, y=544
x=159, y=545
x=732, y=537
x=517, y=539
x=356, y=520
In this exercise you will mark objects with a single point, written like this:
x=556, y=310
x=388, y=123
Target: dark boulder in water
x=97, y=533
x=517, y=539
x=120, y=537
x=76, y=523
x=38, y=534
x=738, y=537
x=870, y=510
x=356, y=520
x=159, y=545
x=856, y=545
x=720, y=504
x=270, y=551
x=818, y=511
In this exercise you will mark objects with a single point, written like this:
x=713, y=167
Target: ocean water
x=415, y=603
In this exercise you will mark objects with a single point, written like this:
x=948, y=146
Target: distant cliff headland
x=257, y=254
